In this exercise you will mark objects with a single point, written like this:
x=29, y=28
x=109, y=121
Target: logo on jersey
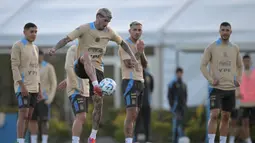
x=95, y=52
x=225, y=66
x=225, y=54
x=97, y=39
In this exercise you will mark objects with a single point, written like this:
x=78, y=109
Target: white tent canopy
x=56, y=18
x=198, y=25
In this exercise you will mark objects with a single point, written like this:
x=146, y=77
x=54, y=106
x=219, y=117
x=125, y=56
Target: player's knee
x=81, y=117
x=132, y=113
x=214, y=115
x=233, y=122
x=225, y=116
x=246, y=122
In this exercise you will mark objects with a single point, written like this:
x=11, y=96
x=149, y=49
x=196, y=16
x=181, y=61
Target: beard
x=225, y=37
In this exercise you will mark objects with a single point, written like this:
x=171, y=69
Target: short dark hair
x=179, y=69
x=246, y=56
x=225, y=24
x=41, y=52
x=134, y=23
x=29, y=25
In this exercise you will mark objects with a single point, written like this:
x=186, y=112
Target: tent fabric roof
x=56, y=18
x=199, y=23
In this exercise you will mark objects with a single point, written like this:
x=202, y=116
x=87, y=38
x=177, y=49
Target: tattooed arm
x=78, y=32
x=116, y=38
x=144, y=61
x=127, y=49
x=62, y=43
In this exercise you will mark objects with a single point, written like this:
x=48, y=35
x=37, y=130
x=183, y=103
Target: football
x=108, y=86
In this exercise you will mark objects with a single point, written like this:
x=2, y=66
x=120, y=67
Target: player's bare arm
x=128, y=63
x=141, y=54
x=127, y=49
x=144, y=61
x=62, y=43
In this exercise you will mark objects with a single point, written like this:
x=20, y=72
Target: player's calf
x=45, y=129
x=129, y=123
x=96, y=116
x=224, y=124
x=212, y=124
x=246, y=130
x=33, y=128
x=77, y=126
x=21, y=124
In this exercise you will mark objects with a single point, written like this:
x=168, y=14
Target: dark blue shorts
x=132, y=91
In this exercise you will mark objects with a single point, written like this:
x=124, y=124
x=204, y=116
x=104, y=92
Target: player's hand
x=237, y=84
x=98, y=91
x=40, y=97
x=52, y=51
x=24, y=91
x=215, y=82
x=47, y=102
x=140, y=46
x=62, y=85
x=239, y=96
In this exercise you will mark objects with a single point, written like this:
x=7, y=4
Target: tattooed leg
x=97, y=112
x=130, y=121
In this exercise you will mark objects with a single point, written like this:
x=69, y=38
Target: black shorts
x=41, y=111
x=81, y=73
x=79, y=103
x=27, y=101
x=234, y=114
x=222, y=99
x=247, y=112
x=132, y=91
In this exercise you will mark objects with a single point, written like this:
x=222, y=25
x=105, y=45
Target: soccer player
x=78, y=92
x=93, y=38
x=225, y=64
x=132, y=79
x=248, y=96
x=42, y=109
x=26, y=76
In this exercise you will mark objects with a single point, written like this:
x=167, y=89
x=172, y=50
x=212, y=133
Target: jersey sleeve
x=123, y=54
x=239, y=65
x=69, y=67
x=53, y=83
x=38, y=68
x=79, y=31
x=115, y=37
x=15, y=62
x=206, y=58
